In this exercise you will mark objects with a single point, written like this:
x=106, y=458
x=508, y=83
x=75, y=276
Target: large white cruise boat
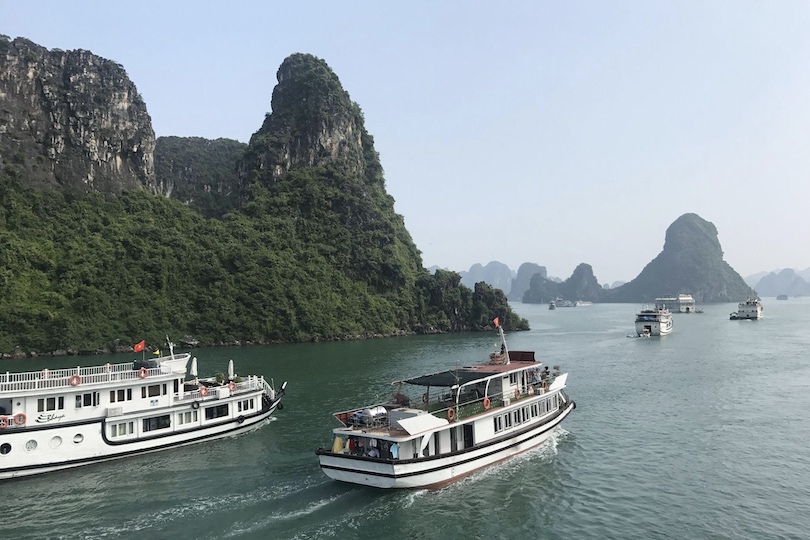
x=751, y=309
x=653, y=321
x=460, y=420
x=61, y=418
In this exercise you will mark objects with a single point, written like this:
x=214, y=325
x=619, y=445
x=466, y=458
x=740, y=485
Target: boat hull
x=657, y=328
x=436, y=471
x=94, y=447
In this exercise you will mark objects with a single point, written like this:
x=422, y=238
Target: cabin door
x=468, y=435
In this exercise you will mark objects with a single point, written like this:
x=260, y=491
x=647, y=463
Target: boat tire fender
x=280, y=406
x=195, y=405
x=20, y=418
x=424, y=398
x=75, y=380
x=240, y=419
x=143, y=373
x=487, y=403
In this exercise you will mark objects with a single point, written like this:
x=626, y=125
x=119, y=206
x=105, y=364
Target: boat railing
x=251, y=383
x=52, y=379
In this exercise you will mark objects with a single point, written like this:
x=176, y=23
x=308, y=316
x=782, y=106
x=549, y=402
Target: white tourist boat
x=751, y=309
x=462, y=420
x=62, y=418
x=653, y=321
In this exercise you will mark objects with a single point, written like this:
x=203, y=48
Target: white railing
x=251, y=383
x=51, y=379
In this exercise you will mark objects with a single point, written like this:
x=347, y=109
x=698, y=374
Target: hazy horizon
x=556, y=133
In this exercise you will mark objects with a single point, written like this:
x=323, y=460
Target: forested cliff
x=290, y=238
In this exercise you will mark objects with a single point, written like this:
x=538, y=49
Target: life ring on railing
x=451, y=414
x=517, y=393
x=195, y=405
x=3, y=422
x=232, y=386
x=143, y=373
x=107, y=367
x=424, y=398
x=20, y=418
x=203, y=391
x=44, y=373
x=487, y=403
x=75, y=380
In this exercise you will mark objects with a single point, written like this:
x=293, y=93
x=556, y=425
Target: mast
x=504, y=348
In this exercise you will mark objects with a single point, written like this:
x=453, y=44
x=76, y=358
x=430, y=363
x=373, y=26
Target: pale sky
x=545, y=132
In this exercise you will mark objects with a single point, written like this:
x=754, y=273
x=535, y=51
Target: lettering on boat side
x=44, y=418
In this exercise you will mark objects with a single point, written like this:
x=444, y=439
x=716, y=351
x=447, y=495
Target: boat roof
x=518, y=360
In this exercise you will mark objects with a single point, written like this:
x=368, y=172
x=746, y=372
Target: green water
x=699, y=434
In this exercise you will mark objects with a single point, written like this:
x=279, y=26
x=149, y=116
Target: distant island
x=690, y=263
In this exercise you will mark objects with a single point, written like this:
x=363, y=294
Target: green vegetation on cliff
x=309, y=249
x=200, y=172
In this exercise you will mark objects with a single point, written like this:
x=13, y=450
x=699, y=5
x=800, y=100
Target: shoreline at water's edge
x=19, y=354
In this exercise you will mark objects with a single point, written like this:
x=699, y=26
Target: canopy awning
x=446, y=378
x=420, y=423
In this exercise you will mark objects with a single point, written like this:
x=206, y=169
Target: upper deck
x=108, y=375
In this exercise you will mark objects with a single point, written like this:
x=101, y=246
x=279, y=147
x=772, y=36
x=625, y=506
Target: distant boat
x=653, y=322
x=552, y=305
x=683, y=303
x=751, y=309
x=580, y=303
x=782, y=297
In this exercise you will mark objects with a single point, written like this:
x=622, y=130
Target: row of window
x=93, y=399
x=164, y=421
x=523, y=414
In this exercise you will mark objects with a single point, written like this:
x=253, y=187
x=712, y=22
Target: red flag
x=497, y=322
x=140, y=346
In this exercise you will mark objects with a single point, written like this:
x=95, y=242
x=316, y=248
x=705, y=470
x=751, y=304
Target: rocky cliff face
x=314, y=123
x=523, y=279
x=71, y=119
x=495, y=273
x=691, y=262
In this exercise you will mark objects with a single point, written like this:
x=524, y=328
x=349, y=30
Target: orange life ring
x=44, y=373
x=232, y=386
x=19, y=418
x=3, y=422
x=487, y=403
x=75, y=380
x=203, y=391
x=451, y=414
x=424, y=398
x=517, y=393
x=143, y=373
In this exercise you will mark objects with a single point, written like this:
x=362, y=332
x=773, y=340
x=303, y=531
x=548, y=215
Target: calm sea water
x=700, y=434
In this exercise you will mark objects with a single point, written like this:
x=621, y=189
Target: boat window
x=187, y=417
x=513, y=378
x=534, y=410
x=436, y=445
x=152, y=390
x=50, y=404
x=157, y=422
x=516, y=416
x=121, y=429
x=245, y=405
x=526, y=414
x=453, y=439
x=498, y=421
x=507, y=420
x=216, y=412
